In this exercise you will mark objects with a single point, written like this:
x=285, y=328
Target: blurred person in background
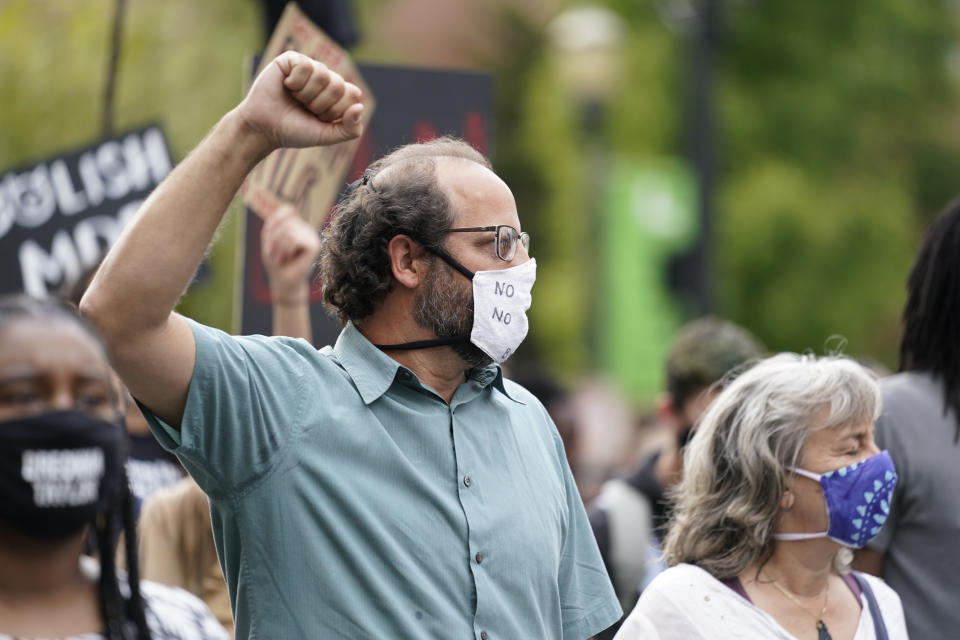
x=176, y=536
x=917, y=552
x=607, y=436
x=394, y=485
x=629, y=515
x=781, y=479
x=62, y=445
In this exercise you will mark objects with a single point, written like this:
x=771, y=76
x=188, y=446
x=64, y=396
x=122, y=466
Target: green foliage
x=646, y=116
x=548, y=137
x=47, y=61
x=537, y=154
x=815, y=258
x=832, y=142
x=835, y=144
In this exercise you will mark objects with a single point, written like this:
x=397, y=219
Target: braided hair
x=930, y=340
x=124, y=617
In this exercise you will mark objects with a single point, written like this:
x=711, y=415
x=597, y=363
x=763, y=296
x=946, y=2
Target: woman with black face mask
x=62, y=445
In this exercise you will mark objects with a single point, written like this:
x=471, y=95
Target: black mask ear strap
x=450, y=261
x=423, y=344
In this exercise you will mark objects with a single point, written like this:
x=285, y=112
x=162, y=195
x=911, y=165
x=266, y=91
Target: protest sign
x=307, y=178
x=59, y=216
x=415, y=105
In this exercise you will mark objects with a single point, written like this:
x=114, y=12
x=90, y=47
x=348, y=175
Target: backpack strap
x=878, y=625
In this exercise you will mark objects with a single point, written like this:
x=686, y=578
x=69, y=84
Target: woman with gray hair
x=781, y=479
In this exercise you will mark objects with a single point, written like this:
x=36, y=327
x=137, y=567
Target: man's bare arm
x=294, y=102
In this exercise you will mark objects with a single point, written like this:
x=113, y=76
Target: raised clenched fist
x=299, y=102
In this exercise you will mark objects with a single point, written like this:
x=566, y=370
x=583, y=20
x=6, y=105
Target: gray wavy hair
x=399, y=196
x=727, y=506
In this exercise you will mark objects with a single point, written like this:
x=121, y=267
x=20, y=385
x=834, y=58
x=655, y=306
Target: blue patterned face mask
x=858, y=500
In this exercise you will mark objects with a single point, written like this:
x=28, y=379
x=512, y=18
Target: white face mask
x=500, y=302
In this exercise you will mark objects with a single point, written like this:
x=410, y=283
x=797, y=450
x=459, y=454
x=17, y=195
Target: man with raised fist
x=394, y=485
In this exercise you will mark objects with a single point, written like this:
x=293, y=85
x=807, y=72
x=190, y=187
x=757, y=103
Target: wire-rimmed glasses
x=505, y=241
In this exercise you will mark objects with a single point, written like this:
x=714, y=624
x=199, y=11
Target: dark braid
x=931, y=316
x=111, y=601
x=124, y=619
x=136, y=611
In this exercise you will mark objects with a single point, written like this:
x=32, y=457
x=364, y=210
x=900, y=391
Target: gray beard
x=447, y=310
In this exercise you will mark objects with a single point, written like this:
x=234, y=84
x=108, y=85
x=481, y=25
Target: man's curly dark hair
x=400, y=196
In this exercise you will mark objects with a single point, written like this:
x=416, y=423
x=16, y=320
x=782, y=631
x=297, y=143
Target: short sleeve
x=656, y=616
x=588, y=604
x=245, y=400
x=637, y=627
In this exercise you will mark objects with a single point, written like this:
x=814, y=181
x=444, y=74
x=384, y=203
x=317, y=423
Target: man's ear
x=408, y=262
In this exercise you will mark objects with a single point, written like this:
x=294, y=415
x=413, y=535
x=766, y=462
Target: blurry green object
x=837, y=121
x=808, y=258
x=649, y=215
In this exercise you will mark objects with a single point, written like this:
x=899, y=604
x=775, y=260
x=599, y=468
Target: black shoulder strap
x=878, y=625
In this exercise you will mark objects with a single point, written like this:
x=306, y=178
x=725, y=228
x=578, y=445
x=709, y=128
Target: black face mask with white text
x=58, y=470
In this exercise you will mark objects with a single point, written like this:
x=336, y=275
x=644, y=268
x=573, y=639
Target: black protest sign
x=58, y=217
x=413, y=105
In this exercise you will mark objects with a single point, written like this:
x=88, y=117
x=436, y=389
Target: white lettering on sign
x=146, y=476
x=63, y=478
x=111, y=166
x=112, y=170
x=500, y=316
x=30, y=197
x=39, y=267
x=503, y=289
x=69, y=199
x=91, y=179
x=70, y=255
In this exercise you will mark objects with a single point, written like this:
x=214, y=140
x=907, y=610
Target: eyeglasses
x=505, y=242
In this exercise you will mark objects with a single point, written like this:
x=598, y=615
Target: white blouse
x=687, y=603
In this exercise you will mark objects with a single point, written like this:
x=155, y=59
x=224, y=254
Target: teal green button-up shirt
x=350, y=501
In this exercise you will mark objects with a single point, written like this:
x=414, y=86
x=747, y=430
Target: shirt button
x=484, y=635
x=467, y=481
x=478, y=557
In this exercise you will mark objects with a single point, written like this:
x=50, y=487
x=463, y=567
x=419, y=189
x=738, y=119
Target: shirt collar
x=373, y=371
